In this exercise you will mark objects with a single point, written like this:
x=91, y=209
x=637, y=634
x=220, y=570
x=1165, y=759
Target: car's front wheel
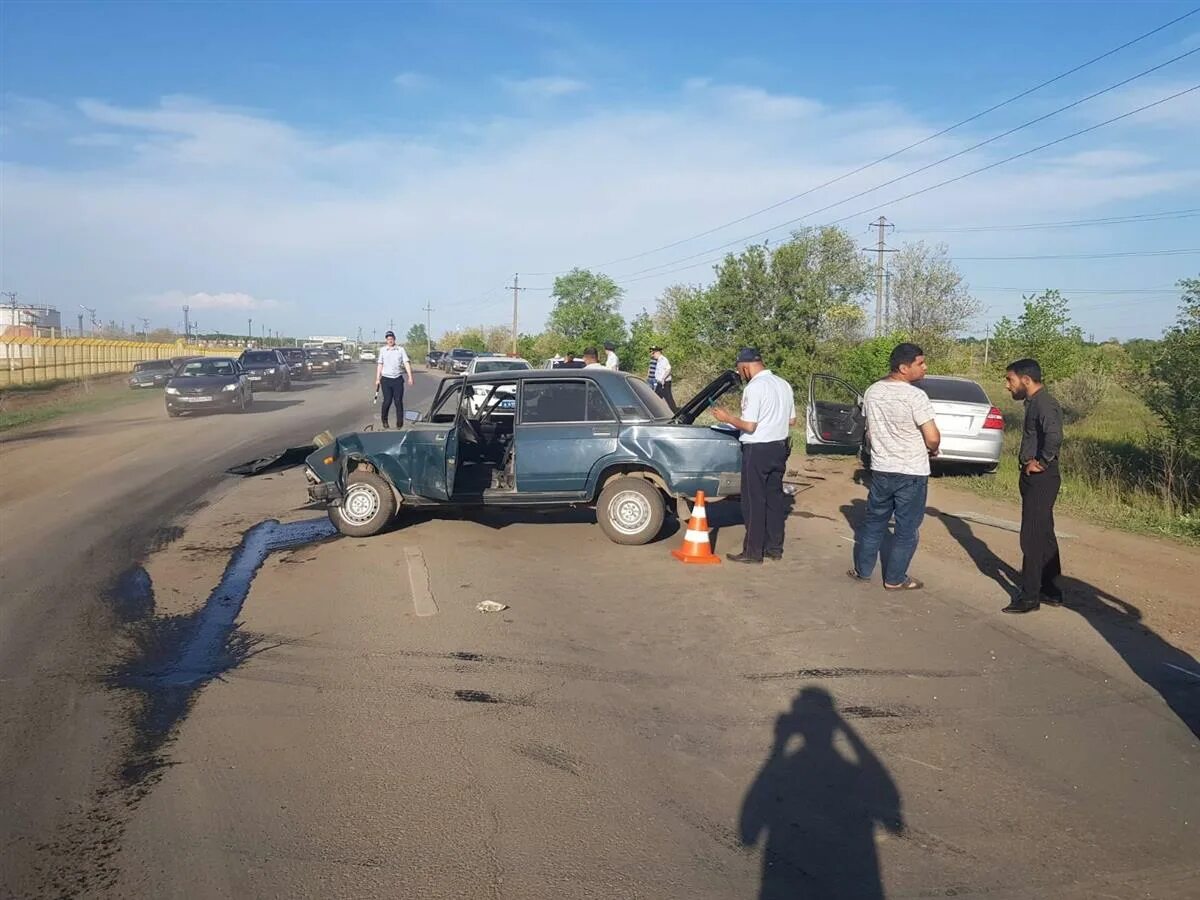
x=630, y=511
x=368, y=504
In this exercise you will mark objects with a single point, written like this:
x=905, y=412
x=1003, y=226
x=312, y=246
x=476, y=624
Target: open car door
x=709, y=395
x=834, y=417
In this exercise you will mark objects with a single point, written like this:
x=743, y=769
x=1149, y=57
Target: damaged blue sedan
x=535, y=438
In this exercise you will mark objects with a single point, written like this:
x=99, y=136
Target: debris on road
x=491, y=606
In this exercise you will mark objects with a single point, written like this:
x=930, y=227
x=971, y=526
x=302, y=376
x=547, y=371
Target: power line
x=1033, y=290
x=1120, y=254
x=1137, y=218
x=924, y=190
x=939, y=162
x=895, y=153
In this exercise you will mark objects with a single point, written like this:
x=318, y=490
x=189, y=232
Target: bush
x=1080, y=394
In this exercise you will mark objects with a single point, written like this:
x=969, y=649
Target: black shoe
x=743, y=558
x=386, y=426
x=1022, y=606
x=774, y=557
x=1053, y=598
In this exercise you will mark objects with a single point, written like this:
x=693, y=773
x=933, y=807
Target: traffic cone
x=696, y=548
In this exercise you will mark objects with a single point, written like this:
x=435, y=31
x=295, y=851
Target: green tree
x=416, y=342
x=930, y=301
x=1045, y=332
x=778, y=300
x=586, y=309
x=867, y=362
x=1172, y=390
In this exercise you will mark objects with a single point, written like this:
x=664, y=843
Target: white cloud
x=546, y=88
x=356, y=229
x=412, y=81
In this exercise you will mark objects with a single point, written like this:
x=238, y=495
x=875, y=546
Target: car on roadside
x=209, y=383
x=482, y=364
x=533, y=439
x=297, y=362
x=267, y=369
x=322, y=362
x=457, y=360
x=153, y=373
x=433, y=358
x=972, y=428
x=367, y=354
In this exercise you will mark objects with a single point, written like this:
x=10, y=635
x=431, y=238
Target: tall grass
x=1116, y=469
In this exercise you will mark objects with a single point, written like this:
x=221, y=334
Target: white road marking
x=418, y=579
x=925, y=764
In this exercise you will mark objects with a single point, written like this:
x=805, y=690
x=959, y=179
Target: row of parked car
x=196, y=383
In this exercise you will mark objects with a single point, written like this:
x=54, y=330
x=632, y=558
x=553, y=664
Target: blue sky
x=328, y=166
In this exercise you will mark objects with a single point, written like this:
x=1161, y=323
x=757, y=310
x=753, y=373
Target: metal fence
x=26, y=360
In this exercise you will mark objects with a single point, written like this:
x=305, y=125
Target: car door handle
x=602, y=432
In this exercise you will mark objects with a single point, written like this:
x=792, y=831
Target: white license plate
x=196, y=399
x=256, y=378
x=956, y=423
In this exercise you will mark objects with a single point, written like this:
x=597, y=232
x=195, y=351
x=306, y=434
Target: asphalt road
x=81, y=500
x=260, y=711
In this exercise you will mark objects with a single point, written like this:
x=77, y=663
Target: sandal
x=913, y=584
x=853, y=574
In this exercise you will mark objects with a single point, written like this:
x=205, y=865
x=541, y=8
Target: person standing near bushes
x=1041, y=439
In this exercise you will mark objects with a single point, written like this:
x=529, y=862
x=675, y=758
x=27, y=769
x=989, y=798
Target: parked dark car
x=267, y=369
x=433, y=359
x=297, y=363
x=209, y=383
x=533, y=438
x=153, y=373
x=456, y=360
x=322, y=362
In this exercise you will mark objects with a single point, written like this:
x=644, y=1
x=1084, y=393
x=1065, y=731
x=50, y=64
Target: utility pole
x=91, y=317
x=987, y=344
x=145, y=326
x=187, y=324
x=249, y=332
x=887, y=299
x=428, y=325
x=516, y=289
x=881, y=248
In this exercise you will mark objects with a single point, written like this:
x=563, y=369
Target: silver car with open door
x=972, y=428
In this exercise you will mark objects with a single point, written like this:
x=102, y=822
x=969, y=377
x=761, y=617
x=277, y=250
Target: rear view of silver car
x=972, y=429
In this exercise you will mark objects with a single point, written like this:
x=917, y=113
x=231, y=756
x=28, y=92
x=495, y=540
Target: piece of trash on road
x=491, y=606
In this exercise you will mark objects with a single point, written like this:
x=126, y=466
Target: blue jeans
x=904, y=497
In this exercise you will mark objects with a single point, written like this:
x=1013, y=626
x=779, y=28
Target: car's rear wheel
x=367, y=505
x=630, y=511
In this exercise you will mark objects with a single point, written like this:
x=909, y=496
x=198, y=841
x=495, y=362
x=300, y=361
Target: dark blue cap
x=749, y=355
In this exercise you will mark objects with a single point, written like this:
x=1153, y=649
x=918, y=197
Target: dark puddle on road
x=175, y=656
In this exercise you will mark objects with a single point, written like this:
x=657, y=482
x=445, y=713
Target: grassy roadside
x=35, y=404
x=1110, y=471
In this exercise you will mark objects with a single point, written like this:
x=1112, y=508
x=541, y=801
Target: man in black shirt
x=1041, y=439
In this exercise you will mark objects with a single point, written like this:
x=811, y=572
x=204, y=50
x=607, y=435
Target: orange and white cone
x=696, y=548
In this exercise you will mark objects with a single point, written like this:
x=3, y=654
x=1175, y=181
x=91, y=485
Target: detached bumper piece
x=293, y=456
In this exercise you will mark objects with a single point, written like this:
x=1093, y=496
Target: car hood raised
x=709, y=395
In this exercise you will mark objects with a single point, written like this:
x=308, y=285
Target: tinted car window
x=554, y=401
x=154, y=365
x=294, y=354
x=462, y=354
x=656, y=404
x=953, y=389
x=598, y=409
x=206, y=367
x=259, y=356
x=628, y=405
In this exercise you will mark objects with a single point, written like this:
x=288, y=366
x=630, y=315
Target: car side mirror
x=411, y=415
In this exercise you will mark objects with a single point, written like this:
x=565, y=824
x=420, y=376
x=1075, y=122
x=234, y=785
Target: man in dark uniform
x=1041, y=439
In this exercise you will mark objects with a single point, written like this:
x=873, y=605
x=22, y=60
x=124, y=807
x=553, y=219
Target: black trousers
x=393, y=392
x=764, y=510
x=664, y=390
x=1041, y=565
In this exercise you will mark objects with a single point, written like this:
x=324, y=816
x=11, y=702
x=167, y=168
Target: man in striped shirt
x=902, y=436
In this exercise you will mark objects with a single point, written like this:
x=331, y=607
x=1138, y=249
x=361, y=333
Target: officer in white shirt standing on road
x=393, y=361
x=768, y=414
x=610, y=359
x=660, y=378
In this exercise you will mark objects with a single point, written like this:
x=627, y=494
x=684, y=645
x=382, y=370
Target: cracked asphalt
x=628, y=728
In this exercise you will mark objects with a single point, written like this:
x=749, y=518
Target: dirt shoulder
x=35, y=404
x=1150, y=580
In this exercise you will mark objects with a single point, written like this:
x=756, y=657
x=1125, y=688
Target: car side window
x=598, y=409
x=554, y=401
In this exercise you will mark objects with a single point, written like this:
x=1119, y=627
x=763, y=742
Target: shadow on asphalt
x=502, y=518
x=815, y=810
x=1173, y=673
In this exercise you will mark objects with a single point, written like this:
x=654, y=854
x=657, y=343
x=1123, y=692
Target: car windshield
x=463, y=354
x=319, y=354
x=500, y=365
x=154, y=365
x=206, y=367
x=294, y=354
x=656, y=404
x=259, y=356
x=957, y=390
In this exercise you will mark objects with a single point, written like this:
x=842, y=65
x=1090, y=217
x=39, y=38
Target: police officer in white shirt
x=660, y=378
x=768, y=413
x=393, y=360
x=610, y=359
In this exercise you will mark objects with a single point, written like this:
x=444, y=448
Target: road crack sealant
x=172, y=659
